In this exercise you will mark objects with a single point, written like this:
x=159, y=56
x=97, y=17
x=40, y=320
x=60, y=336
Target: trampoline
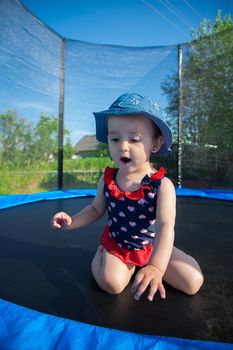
x=51, y=300
x=48, y=297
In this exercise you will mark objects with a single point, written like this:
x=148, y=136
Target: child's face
x=131, y=140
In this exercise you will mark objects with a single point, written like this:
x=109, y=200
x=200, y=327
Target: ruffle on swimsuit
x=147, y=183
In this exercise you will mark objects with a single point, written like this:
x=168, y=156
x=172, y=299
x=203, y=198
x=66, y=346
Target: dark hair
x=157, y=131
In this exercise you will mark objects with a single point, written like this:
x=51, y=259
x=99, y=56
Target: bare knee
x=108, y=283
x=116, y=283
x=184, y=273
x=194, y=284
x=110, y=273
x=112, y=285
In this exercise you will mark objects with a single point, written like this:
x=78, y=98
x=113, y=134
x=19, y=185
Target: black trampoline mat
x=49, y=271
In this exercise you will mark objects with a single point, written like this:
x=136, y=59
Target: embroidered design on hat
x=157, y=106
x=135, y=101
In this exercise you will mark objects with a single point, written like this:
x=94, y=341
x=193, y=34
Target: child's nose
x=124, y=145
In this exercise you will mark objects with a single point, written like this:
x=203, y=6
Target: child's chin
x=129, y=167
x=125, y=164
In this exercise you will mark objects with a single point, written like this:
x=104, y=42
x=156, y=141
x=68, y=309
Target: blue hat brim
x=101, y=119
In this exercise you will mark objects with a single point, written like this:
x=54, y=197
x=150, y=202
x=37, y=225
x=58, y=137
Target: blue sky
x=127, y=22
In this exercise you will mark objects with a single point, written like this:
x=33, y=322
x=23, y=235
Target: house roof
x=87, y=143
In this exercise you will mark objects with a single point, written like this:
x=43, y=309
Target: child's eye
x=114, y=139
x=135, y=139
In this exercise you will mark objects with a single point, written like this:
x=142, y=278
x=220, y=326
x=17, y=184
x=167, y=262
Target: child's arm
x=86, y=216
x=151, y=275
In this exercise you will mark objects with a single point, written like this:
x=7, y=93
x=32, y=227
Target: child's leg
x=111, y=274
x=183, y=272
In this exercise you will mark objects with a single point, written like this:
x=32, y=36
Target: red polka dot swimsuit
x=130, y=232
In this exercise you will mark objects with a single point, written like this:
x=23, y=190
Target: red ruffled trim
x=109, y=175
x=159, y=174
x=136, y=257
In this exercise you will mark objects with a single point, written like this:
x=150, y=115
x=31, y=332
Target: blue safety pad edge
x=204, y=193
x=25, y=329
x=11, y=200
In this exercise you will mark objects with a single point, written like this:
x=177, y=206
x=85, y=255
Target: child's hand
x=148, y=276
x=61, y=220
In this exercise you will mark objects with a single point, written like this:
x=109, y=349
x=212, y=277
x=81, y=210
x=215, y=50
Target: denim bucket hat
x=133, y=104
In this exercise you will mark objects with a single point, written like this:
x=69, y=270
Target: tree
x=207, y=89
x=68, y=148
x=46, y=138
x=15, y=139
x=208, y=83
x=103, y=150
x=46, y=133
x=21, y=144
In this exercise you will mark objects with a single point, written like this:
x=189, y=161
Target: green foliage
x=68, y=148
x=207, y=91
x=15, y=139
x=207, y=28
x=22, y=145
x=45, y=141
x=42, y=176
x=89, y=163
x=103, y=150
x=208, y=86
x=25, y=157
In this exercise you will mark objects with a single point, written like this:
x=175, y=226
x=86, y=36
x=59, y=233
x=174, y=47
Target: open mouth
x=125, y=159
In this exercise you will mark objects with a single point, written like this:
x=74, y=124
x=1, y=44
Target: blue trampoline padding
x=25, y=329
x=12, y=200
x=212, y=194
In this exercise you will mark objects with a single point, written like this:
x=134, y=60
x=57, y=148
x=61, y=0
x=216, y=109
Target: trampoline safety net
x=49, y=87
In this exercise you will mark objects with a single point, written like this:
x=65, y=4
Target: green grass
x=78, y=173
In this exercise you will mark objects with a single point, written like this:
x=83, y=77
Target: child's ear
x=158, y=142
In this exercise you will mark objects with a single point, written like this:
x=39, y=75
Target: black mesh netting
x=95, y=75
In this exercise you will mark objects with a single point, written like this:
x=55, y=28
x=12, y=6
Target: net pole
x=179, y=155
x=61, y=119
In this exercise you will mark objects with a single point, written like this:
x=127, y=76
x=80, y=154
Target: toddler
x=141, y=205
